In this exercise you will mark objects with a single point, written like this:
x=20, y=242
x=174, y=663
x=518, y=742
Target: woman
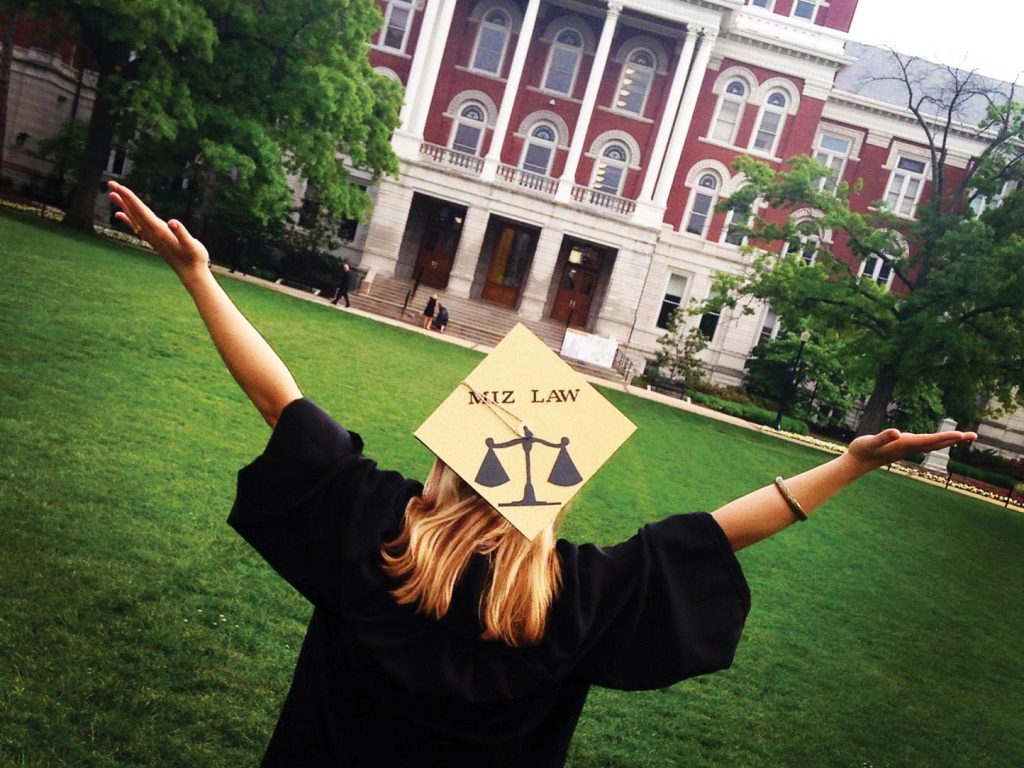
x=428, y=312
x=440, y=635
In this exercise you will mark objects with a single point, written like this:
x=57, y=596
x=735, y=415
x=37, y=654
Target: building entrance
x=578, y=283
x=442, y=227
x=513, y=249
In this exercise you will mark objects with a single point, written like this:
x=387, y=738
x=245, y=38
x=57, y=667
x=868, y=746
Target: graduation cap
x=525, y=430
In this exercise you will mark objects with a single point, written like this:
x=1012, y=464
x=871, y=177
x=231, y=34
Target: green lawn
x=136, y=629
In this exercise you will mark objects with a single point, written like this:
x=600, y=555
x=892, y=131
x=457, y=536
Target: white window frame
x=776, y=324
x=557, y=45
x=485, y=25
x=773, y=109
x=695, y=191
x=666, y=300
x=899, y=182
x=815, y=7
x=530, y=139
x=827, y=157
x=626, y=71
x=731, y=98
x=876, y=271
x=392, y=4
x=460, y=119
x=768, y=5
x=602, y=162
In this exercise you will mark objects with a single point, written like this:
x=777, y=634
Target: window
x=769, y=326
x=610, y=170
x=735, y=231
x=540, y=149
x=905, y=186
x=704, y=196
x=469, y=128
x=807, y=248
x=491, y=42
x=397, y=20
x=730, y=111
x=805, y=9
x=763, y=3
x=635, y=83
x=769, y=126
x=709, y=324
x=673, y=299
x=832, y=152
x=563, y=62
x=878, y=269
x=115, y=164
x=982, y=203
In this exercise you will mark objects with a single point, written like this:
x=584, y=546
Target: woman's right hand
x=185, y=255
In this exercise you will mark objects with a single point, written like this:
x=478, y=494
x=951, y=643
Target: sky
x=989, y=37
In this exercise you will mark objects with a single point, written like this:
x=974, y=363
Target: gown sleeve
x=665, y=605
x=312, y=504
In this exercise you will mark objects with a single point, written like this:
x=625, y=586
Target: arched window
x=491, y=42
x=729, y=112
x=564, y=62
x=770, y=123
x=702, y=203
x=635, y=82
x=469, y=128
x=610, y=169
x=540, y=149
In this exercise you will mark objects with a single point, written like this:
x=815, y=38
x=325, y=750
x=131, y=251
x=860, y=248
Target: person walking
x=450, y=625
x=341, y=289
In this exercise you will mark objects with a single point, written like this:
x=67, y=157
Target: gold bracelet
x=794, y=505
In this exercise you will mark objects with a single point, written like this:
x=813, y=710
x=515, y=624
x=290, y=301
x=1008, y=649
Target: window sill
x=744, y=150
x=554, y=94
x=629, y=115
x=905, y=216
x=391, y=51
x=478, y=73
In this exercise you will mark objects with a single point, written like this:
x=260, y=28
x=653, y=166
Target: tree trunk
x=876, y=411
x=6, y=64
x=82, y=206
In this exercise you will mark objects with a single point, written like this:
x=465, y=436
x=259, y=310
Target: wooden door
x=436, y=254
x=577, y=286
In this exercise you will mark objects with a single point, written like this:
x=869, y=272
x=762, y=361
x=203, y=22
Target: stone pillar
x=386, y=228
x=419, y=90
x=508, y=97
x=460, y=279
x=683, y=119
x=675, y=94
x=579, y=134
x=938, y=461
x=625, y=288
x=541, y=273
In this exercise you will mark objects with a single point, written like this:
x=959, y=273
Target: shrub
x=984, y=475
x=749, y=413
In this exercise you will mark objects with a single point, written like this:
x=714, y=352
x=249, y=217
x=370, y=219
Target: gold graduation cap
x=525, y=430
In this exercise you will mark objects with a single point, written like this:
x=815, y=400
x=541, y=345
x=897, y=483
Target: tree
x=238, y=94
x=954, y=323
x=678, y=349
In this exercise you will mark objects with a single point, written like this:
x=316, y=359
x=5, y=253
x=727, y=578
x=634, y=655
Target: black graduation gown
x=377, y=685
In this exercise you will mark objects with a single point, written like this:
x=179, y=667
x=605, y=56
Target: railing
x=613, y=203
x=543, y=184
x=451, y=157
x=623, y=364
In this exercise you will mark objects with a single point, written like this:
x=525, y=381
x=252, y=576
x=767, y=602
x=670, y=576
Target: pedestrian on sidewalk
x=428, y=312
x=341, y=289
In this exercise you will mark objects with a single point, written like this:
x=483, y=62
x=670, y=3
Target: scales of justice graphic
x=563, y=473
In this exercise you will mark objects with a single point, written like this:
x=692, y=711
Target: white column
x=471, y=242
x=683, y=119
x=508, y=97
x=675, y=93
x=579, y=135
x=538, y=283
x=426, y=62
x=386, y=228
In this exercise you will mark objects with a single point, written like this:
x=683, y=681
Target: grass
x=137, y=630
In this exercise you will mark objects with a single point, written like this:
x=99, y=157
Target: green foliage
x=65, y=148
x=676, y=358
x=997, y=479
x=138, y=630
x=749, y=412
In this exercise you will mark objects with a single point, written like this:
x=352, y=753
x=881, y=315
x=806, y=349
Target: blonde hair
x=442, y=530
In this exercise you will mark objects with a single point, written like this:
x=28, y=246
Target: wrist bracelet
x=794, y=505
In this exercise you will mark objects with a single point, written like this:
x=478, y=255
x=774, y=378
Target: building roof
x=876, y=75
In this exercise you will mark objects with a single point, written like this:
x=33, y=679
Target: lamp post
x=790, y=388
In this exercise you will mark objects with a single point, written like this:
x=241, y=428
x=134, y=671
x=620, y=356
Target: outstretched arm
x=763, y=512
x=255, y=366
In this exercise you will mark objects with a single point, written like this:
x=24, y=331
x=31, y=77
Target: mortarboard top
x=525, y=430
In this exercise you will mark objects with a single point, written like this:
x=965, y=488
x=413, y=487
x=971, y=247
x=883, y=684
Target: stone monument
x=937, y=461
